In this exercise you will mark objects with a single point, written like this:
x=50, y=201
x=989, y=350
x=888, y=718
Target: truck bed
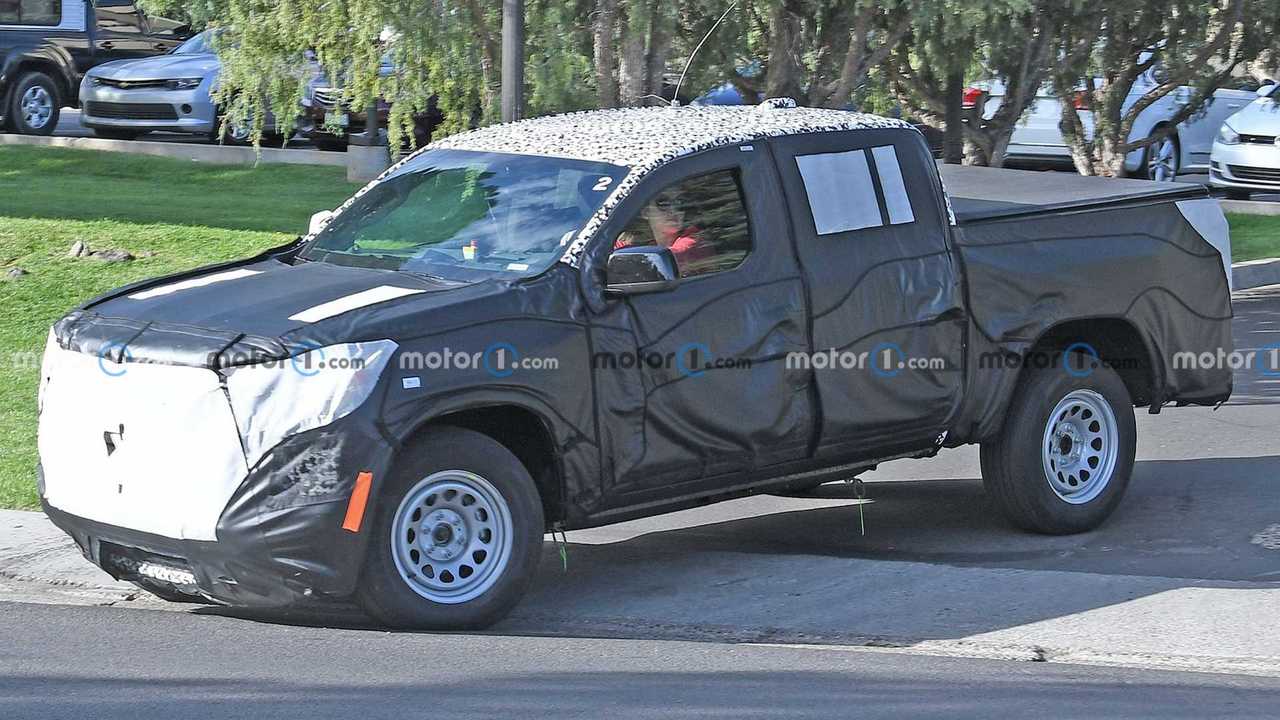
x=980, y=193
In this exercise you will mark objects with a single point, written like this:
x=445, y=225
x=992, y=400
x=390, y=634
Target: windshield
x=466, y=216
x=201, y=44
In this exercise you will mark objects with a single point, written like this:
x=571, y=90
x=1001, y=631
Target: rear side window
x=44, y=13
x=703, y=220
x=855, y=189
x=122, y=18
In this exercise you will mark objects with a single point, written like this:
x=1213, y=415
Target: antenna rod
x=675, y=99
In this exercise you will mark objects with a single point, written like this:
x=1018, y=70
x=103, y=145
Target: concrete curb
x=1250, y=207
x=212, y=154
x=1255, y=273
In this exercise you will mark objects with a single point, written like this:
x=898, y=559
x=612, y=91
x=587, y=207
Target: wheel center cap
x=1067, y=443
x=443, y=535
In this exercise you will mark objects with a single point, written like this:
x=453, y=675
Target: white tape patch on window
x=364, y=298
x=193, y=283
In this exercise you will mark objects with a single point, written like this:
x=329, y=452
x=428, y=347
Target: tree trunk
x=784, y=72
x=633, y=65
x=659, y=47
x=512, y=60
x=953, y=129
x=606, y=62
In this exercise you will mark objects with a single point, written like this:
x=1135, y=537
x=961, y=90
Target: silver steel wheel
x=37, y=107
x=1162, y=161
x=452, y=536
x=1080, y=446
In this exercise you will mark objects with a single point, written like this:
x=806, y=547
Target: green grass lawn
x=171, y=214
x=1254, y=236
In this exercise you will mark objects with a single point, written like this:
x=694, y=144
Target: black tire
x=388, y=597
x=1014, y=469
x=41, y=85
x=114, y=134
x=1239, y=194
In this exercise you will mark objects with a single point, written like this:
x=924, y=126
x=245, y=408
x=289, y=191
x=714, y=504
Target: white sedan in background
x=1186, y=149
x=1246, y=153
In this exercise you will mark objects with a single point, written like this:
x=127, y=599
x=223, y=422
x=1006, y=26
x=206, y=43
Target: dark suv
x=47, y=45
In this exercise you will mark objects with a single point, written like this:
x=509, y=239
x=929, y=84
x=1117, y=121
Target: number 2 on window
x=602, y=184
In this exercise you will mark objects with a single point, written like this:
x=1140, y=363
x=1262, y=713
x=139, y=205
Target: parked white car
x=1246, y=152
x=1185, y=150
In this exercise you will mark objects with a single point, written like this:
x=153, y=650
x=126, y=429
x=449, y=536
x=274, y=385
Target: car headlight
x=280, y=398
x=1227, y=136
x=184, y=83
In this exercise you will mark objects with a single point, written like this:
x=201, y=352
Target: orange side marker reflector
x=359, y=499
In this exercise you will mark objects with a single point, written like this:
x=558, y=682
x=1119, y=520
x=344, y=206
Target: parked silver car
x=1246, y=153
x=170, y=93
x=1185, y=149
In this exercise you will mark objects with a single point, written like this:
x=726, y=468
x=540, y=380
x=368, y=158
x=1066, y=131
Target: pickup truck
x=46, y=46
x=574, y=320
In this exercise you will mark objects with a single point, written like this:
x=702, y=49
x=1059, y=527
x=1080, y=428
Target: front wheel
x=1238, y=194
x=456, y=536
x=1062, y=461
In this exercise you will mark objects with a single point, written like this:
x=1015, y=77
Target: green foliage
x=879, y=55
x=1105, y=47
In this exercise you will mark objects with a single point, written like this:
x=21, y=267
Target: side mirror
x=1266, y=90
x=643, y=269
x=318, y=221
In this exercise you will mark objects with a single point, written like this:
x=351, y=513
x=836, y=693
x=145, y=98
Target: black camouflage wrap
x=637, y=440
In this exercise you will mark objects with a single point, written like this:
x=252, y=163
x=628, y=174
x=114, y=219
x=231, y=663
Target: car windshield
x=466, y=216
x=201, y=44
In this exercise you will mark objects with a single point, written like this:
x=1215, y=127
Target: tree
x=1007, y=42
x=1105, y=47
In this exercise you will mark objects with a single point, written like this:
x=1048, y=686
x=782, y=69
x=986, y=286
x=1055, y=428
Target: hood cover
x=266, y=309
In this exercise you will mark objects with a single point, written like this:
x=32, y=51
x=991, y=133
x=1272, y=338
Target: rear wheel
x=456, y=536
x=34, y=105
x=1062, y=461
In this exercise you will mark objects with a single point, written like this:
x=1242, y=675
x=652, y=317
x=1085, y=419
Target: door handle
x=161, y=46
x=107, y=45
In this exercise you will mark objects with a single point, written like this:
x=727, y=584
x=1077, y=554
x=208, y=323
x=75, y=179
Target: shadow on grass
x=59, y=183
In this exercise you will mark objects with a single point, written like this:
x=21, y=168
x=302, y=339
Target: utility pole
x=512, y=60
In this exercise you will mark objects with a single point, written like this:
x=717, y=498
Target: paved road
x=63, y=662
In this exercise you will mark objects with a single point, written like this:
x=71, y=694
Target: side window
x=703, y=220
x=165, y=27
x=123, y=18
x=855, y=189
x=45, y=13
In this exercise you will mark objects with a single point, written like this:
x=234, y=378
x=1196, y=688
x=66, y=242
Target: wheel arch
x=527, y=433
x=1118, y=343
x=53, y=64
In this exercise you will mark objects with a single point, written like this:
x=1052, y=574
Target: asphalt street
x=937, y=608
x=64, y=662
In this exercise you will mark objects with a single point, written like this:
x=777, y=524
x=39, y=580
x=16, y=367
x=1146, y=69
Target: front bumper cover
x=280, y=539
